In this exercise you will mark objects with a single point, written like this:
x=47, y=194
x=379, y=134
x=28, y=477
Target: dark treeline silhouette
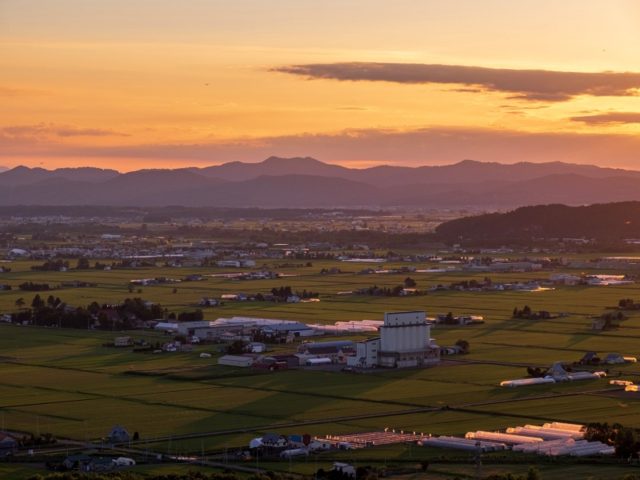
x=609, y=222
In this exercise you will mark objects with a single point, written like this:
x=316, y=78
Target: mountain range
x=307, y=182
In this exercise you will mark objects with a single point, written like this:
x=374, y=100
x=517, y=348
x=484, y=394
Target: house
x=270, y=363
x=193, y=278
x=256, y=347
x=122, y=342
x=598, y=323
x=209, y=302
x=228, y=263
x=589, y=358
x=451, y=350
x=345, y=469
x=101, y=464
x=274, y=440
x=118, y=434
x=8, y=444
x=80, y=462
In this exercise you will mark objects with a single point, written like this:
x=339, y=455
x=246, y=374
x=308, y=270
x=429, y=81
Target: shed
x=313, y=362
x=236, y=361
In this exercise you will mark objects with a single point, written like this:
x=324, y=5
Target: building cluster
x=404, y=341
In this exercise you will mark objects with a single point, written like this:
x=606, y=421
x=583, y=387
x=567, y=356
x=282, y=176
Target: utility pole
x=478, y=459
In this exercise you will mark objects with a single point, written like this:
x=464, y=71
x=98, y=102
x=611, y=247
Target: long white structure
x=467, y=444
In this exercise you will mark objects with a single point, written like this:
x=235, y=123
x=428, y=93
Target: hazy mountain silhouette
x=306, y=182
x=25, y=176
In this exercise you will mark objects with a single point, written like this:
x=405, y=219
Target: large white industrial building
x=405, y=341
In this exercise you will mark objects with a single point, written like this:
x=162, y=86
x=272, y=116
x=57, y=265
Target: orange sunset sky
x=131, y=84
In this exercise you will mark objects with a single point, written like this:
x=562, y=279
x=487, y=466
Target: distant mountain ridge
x=307, y=182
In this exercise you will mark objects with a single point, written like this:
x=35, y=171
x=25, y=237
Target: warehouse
x=236, y=361
x=337, y=351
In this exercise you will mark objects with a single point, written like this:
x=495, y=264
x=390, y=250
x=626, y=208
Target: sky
x=130, y=84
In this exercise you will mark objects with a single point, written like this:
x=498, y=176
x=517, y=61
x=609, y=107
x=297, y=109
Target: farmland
x=65, y=382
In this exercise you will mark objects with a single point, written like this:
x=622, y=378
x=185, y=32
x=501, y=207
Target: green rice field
x=65, y=382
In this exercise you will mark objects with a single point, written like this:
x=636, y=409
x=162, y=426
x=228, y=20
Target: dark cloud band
x=609, y=118
x=540, y=85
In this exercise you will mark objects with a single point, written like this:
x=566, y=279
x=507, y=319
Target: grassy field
x=65, y=382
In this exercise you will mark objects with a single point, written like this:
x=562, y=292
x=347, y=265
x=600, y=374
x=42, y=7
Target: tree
x=409, y=283
x=464, y=345
x=533, y=474
x=20, y=302
x=37, y=302
x=83, y=263
x=236, y=347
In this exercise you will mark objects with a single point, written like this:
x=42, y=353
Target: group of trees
x=51, y=312
x=377, y=291
x=532, y=474
x=34, y=287
x=626, y=440
x=30, y=440
x=362, y=473
x=472, y=284
x=628, y=304
x=537, y=372
x=54, y=312
x=52, y=265
x=463, y=345
x=611, y=318
x=282, y=293
x=528, y=314
x=194, y=316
